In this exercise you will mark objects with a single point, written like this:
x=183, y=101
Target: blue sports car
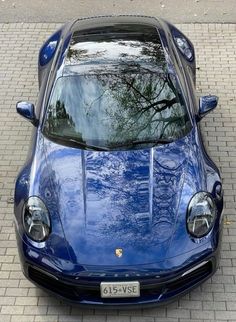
x=118, y=203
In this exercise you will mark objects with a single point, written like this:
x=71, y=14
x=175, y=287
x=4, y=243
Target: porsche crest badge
x=119, y=252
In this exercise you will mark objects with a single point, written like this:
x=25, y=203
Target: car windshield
x=116, y=110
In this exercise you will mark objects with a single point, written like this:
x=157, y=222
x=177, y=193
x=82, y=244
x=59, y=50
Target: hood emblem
x=119, y=252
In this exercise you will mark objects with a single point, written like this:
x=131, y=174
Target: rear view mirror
x=26, y=110
x=206, y=105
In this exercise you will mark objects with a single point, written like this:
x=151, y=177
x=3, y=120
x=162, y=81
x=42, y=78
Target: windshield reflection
x=110, y=110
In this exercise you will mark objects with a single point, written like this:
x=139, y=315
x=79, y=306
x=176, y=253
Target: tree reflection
x=58, y=117
x=128, y=99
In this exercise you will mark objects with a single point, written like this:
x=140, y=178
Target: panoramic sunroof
x=118, y=43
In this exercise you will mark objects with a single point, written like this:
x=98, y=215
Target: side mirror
x=206, y=105
x=26, y=110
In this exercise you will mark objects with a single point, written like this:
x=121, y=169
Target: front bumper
x=157, y=286
x=154, y=290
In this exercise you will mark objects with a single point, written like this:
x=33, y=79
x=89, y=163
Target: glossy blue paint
x=207, y=104
x=26, y=110
x=131, y=199
x=49, y=48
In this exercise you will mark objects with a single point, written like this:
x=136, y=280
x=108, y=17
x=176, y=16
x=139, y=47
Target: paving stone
x=5, y=318
x=69, y=318
x=26, y=299
x=6, y=309
x=47, y=318
x=206, y=315
x=227, y=315
x=35, y=310
x=61, y=310
x=118, y=318
x=22, y=318
x=168, y=320
x=93, y=318
x=142, y=319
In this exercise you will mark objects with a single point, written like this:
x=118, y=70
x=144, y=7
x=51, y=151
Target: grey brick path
x=19, y=300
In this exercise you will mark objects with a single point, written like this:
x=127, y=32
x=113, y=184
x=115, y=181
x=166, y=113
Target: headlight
x=36, y=219
x=201, y=214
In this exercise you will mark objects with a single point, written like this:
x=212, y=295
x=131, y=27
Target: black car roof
x=103, y=21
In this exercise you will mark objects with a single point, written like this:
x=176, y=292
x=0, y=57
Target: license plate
x=120, y=289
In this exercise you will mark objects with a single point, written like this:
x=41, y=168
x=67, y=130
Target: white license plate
x=120, y=289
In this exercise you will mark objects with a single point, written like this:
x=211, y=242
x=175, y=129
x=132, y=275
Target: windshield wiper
x=75, y=143
x=89, y=146
x=80, y=144
x=137, y=142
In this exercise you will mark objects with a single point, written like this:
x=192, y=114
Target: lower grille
x=195, y=276
x=182, y=283
x=52, y=284
x=77, y=292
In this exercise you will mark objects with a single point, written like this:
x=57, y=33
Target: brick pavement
x=20, y=301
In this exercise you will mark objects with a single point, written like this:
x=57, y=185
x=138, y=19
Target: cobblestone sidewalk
x=19, y=300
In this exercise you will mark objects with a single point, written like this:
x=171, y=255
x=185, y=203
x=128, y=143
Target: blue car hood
x=125, y=200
